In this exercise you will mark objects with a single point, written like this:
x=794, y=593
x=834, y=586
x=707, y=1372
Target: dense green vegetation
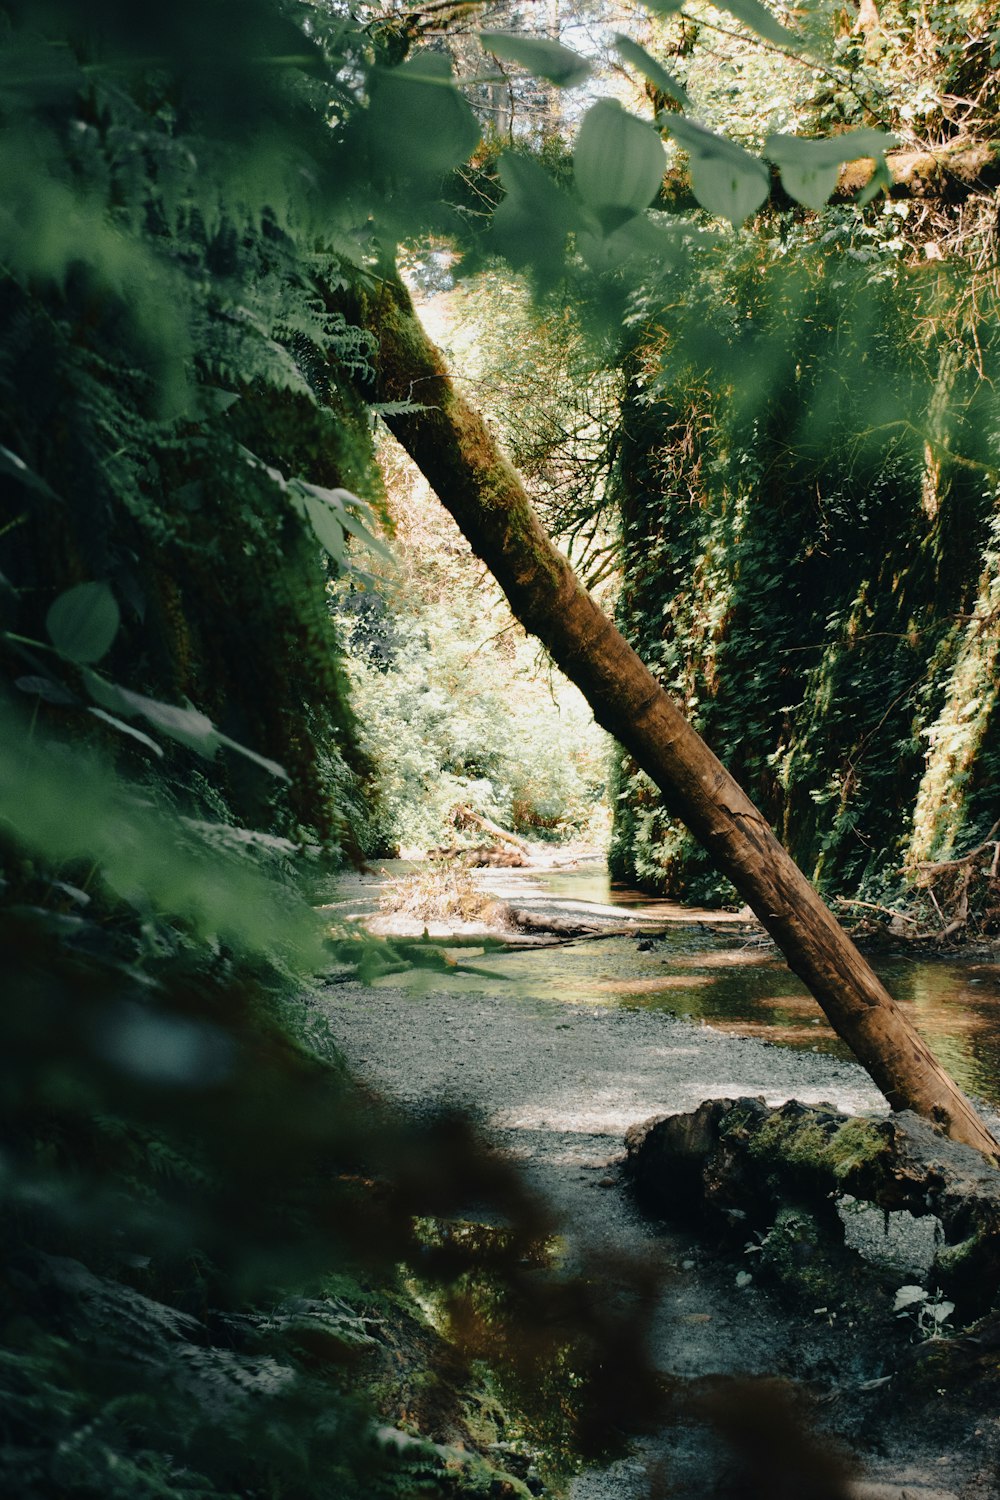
x=456, y=707
x=203, y=1220
x=808, y=496
x=209, y=1233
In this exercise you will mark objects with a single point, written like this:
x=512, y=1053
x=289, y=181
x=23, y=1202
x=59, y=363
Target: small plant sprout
x=928, y=1311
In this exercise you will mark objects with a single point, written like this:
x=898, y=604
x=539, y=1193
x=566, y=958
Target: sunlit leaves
x=726, y=179
x=331, y=513
x=542, y=56
x=83, y=622
x=810, y=169
x=650, y=69
x=618, y=162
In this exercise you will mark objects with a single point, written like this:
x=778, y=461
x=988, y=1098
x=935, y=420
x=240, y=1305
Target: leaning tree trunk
x=458, y=455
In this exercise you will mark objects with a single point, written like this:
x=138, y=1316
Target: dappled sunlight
x=729, y=958
x=653, y=985
x=698, y=971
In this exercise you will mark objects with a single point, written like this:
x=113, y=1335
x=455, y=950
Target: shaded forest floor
x=556, y=1085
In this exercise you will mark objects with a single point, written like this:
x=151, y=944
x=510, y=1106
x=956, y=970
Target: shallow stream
x=557, y=1051
x=710, y=967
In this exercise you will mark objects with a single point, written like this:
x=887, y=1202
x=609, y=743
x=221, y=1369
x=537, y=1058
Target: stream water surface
x=710, y=967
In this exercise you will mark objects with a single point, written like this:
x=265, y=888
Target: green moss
x=856, y=1147
x=755, y=489
x=952, y=1261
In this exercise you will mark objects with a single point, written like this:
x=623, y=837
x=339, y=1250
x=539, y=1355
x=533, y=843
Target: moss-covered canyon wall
x=807, y=488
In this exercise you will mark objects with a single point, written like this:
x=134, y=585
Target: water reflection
x=713, y=973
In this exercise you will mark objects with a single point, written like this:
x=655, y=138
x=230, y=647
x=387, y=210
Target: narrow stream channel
x=707, y=968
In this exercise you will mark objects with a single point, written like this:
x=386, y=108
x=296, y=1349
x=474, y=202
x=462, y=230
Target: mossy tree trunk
x=459, y=457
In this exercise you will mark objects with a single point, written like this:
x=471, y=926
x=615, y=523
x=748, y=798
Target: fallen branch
x=463, y=815
x=897, y=916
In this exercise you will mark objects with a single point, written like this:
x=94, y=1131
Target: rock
x=737, y=1165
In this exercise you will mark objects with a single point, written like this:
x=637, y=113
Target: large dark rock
x=735, y=1165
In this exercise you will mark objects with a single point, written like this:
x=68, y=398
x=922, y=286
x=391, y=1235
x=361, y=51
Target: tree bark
x=454, y=449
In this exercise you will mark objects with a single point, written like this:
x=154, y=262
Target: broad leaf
x=641, y=238
x=541, y=55
x=757, y=16
x=726, y=179
x=326, y=526
x=259, y=760
x=331, y=513
x=618, y=163
x=129, y=729
x=83, y=622
x=531, y=224
x=418, y=124
x=810, y=168
x=187, y=725
x=880, y=179
x=652, y=70
x=909, y=1296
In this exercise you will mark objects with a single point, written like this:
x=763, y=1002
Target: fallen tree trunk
x=454, y=449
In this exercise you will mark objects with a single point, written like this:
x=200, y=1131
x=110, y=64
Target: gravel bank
x=557, y=1086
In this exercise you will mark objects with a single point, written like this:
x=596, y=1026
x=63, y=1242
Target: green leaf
x=18, y=469
x=187, y=725
x=325, y=524
x=214, y=401
x=83, y=622
x=531, y=224
x=331, y=513
x=129, y=729
x=726, y=179
x=664, y=7
x=652, y=70
x=259, y=760
x=880, y=179
x=832, y=150
x=755, y=15
x=418, y=124
x=908, y=1296
x=540, y=55
x=812, y=186
x=618, y=163
x=66, y=808
x=810, y=168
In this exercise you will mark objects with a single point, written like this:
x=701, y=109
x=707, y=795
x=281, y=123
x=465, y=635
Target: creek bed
x=559, y=1050
x=710, y=967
